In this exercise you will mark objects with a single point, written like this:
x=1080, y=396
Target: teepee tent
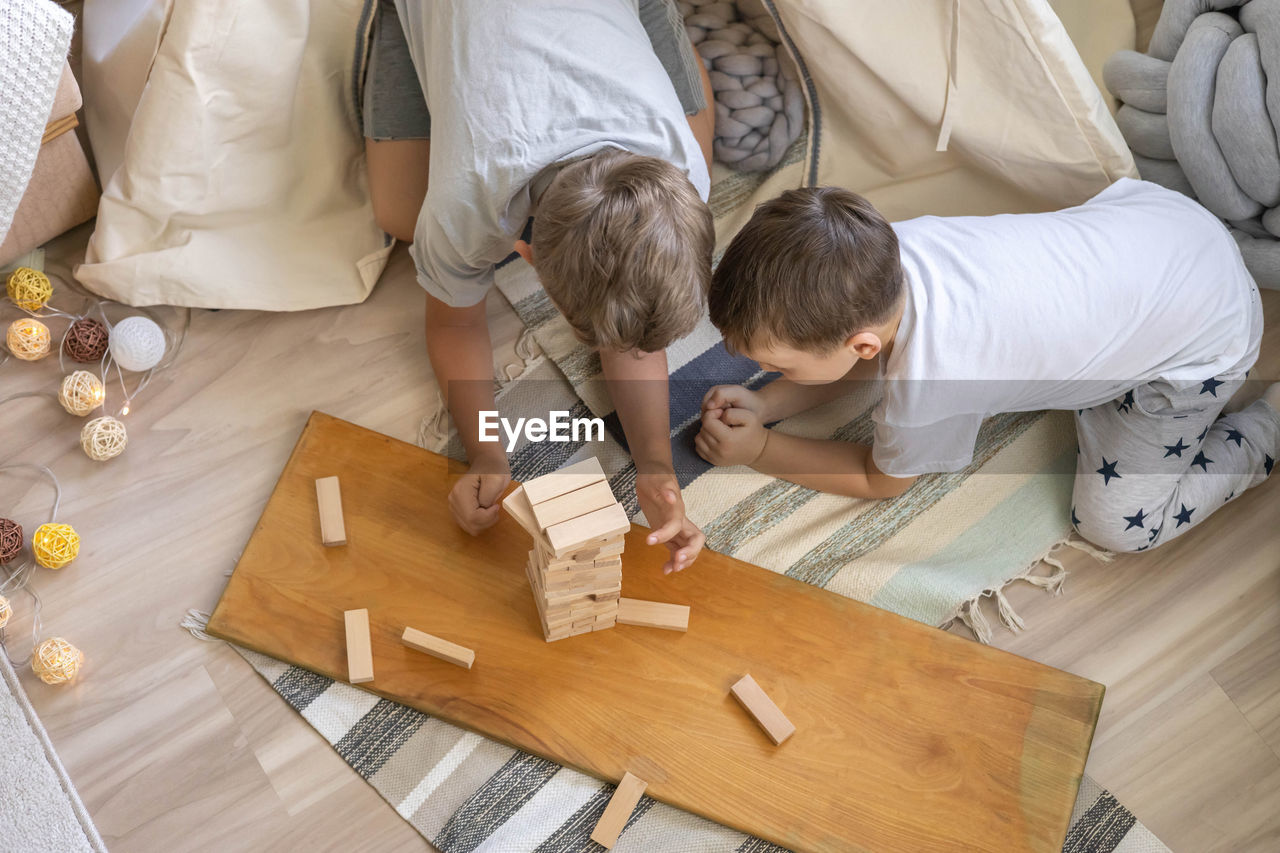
x=1005, y=88
x=1001, y=86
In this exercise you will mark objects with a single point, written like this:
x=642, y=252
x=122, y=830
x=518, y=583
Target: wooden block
x=571, y=612
x=567, y=479
x=598, y=495
x=609, y=563
x=586, y=530
x=437, y=647
x=359, y=646
x=653, y=614
x=564, y=597
x=517, y=506
x=597, y=551
x=621, y=805
x=557, y=601
x=329, y=499
x=535, y=579
x=762, y=708
x=596, y=579
x=555, y=587
x=570, y=560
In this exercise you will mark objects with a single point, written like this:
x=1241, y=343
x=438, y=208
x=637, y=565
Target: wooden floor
x=178, y=744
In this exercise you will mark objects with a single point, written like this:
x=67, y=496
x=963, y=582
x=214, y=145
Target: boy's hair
x=811, y=267
x=622, y=243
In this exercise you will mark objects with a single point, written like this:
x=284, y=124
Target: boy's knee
x=398, y=177
x=394, y=221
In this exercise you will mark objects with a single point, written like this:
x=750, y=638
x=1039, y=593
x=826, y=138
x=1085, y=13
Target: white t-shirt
x=1061, y=310
x=514, y=88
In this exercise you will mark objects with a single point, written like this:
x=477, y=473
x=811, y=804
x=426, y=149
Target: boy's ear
x=524, y=250
x=864, y=344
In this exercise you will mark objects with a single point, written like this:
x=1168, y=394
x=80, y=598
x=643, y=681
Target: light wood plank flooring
x=177, y=744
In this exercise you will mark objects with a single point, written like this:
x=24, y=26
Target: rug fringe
x=527, y=352
x=1092, y=550
x=433, y=432
x=196, y=621
x=971, y=614
x=1008, y=616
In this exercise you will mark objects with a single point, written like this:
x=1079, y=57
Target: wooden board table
x=908, y=738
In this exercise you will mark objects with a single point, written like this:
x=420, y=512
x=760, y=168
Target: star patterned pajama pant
x=1159, y=460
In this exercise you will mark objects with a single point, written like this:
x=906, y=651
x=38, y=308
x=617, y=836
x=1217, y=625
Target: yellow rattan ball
x=56, y=661
x=103, y=438
x=55, y=545
x=81, y=393
x=29, y=289
x=6, y=611
x=28, y=339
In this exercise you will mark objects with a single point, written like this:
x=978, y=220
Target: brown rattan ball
x=10, y=539
x=86, y=341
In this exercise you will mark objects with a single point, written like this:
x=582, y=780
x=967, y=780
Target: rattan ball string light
x=56, y=661
x=103, y=438
x=28, y=339
x=10, y=540
x=54, y=545
x=6, y=611
x=86, y=341
x=81, y=392
x=29, y=289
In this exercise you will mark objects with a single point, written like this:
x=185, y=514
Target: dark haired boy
x=1134, y=309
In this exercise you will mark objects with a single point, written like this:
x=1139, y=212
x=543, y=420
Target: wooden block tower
x=575, y=567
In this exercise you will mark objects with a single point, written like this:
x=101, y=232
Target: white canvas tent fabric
x=1029, y=128
x=240, y=183
x=236, y=159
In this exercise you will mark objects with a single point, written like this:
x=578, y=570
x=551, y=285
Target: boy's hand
x=475, y=499
x=733, y=436
x=724, y=397
x=659, y=496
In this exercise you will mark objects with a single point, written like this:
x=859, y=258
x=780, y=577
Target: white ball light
x=137, y=344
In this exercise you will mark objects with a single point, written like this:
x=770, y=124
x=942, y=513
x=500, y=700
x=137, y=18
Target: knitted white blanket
x=34, y=38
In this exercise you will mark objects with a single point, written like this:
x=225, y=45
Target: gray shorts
x=394, y=107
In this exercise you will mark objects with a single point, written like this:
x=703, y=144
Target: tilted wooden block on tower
x=575, y=567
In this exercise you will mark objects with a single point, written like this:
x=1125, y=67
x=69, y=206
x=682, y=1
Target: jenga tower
x=575, y=567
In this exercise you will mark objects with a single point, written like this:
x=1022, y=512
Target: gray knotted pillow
x=1201, y=113
x=758, y=103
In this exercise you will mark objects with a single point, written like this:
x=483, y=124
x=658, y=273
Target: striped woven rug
x=465, y=793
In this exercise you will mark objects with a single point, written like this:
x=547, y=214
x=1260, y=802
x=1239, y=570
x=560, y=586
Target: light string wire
x=18, y=578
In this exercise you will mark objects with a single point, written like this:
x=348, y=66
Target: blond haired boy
x=593, y=119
